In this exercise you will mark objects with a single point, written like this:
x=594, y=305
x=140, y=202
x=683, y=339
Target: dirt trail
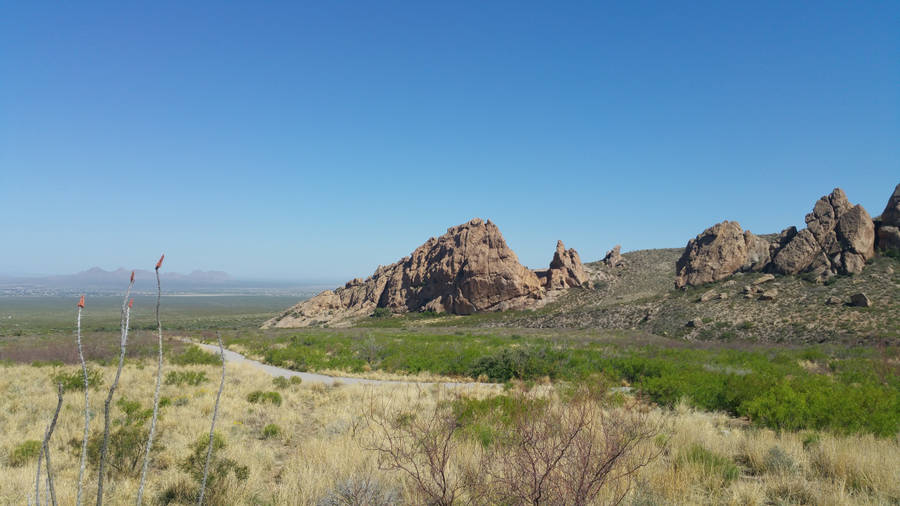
x=236, y=358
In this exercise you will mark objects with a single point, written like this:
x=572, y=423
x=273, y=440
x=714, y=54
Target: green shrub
x=381, y=312
x=179, y=378
x=74, y=381
x=24, y=452
x=518, y=363
x=271, y=431
x=259, y=397
x=283, y=382
x=194, y=355
x=126, y=442
x=217, y=483
x=712, y=463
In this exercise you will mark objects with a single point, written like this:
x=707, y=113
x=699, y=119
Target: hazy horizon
x=288, y=141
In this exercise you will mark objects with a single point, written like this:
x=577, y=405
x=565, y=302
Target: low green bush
x=283, y=382
x=74, y=380
x=381, y=312
x=271, y=431
x=24, y=452
x=194, y=355
x=218, y=482
x=179, y=378
x=259, y=397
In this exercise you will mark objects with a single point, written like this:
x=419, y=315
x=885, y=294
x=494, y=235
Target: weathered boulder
x=468, y=269
x=566, y=270
x=769, y=294
x=888, y=233
x=765, y=278
x=839, y=238
x=613, y=257
x=833, y=301
x=715, y=254
x=860, y=300
x=708, y=296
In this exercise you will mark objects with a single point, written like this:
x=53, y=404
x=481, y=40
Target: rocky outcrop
x=839, y=238
x=566, y=270
x=466, y=270
x=613, y=257
x=719, y=252
x=888, y=226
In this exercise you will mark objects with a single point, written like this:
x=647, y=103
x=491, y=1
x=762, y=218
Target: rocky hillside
x=467, y=270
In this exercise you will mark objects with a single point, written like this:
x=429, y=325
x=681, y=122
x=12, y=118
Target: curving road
x=237, y=358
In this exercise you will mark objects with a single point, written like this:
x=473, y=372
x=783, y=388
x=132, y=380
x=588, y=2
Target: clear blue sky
x=317, y=141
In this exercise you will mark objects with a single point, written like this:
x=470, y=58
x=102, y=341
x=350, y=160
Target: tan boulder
x=466, y=270
x=715, y=254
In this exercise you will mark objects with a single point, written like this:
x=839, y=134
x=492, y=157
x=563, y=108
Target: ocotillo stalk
x=212, y=426
x=123, y=341
x=159, y=365
x=45, y=451
x=87, y=413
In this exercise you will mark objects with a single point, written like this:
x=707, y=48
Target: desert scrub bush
x=127, y=443
x=282, y=382
x=516, y=363
x=24, y=452
x=381, y=312
x=192, y=378
x=713, y=464
x=361, y=490
x=271, y=431
x=194, y=355
x=260, y=397
x=74, y=381
x=223, y=474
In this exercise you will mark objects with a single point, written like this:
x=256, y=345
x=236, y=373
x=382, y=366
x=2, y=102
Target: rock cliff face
x=467, y=270
x=839, y=238
x=888, y=233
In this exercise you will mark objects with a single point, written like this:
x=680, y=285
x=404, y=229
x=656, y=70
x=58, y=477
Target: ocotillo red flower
x=81, y=301
x=159, y=264
x=132, y=276
x=131, y=303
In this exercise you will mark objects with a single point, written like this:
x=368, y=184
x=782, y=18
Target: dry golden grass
x=323, y=429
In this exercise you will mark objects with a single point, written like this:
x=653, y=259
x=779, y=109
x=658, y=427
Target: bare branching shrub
x=420, y=442
x=361, y=490
x=575, y=450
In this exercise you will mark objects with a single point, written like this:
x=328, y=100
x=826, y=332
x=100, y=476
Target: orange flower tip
x=131, y=303
x=159, y=264
x=81, y=301
x=132, y=276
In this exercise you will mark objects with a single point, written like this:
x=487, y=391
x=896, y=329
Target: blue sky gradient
x=317, y=141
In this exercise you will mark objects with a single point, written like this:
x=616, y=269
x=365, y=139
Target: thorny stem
x=123, y=341
x=159, y=365
x=87, y=416
x=212, y=426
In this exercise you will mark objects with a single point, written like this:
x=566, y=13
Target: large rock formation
x=718, y=252
x=466, y=270
x=839, y=238
x=888, y=234
x=613, y=257
x=566, y=270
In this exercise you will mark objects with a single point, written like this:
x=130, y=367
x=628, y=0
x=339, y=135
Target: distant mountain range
x=100, y=281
